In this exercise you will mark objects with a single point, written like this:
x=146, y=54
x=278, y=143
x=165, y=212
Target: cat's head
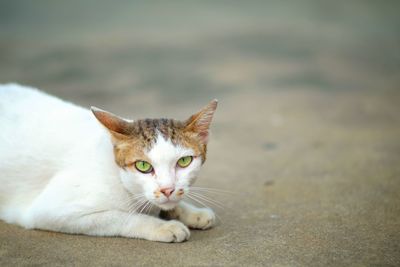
x=159, y=158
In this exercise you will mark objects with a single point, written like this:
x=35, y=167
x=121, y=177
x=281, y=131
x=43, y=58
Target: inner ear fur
x=118, y=126
x=199, y=123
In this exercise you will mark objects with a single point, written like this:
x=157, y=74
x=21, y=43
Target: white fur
x=163, y=157
x=57, y=172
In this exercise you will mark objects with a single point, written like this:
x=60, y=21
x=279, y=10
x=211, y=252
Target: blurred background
x=193, y=50
x=307, y=128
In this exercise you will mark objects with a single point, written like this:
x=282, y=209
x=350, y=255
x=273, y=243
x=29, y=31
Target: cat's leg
x=193, y=217
x=109, y=223
x=64, y=208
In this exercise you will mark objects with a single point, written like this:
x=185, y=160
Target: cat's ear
x=199, y=123
x=116, y=125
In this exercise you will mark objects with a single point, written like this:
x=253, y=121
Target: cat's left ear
x=199, y=123
x=117, y=126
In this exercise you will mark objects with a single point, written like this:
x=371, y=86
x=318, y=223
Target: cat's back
x=40, y=136
x=38, y=126
x=13, y=91
x=17, y=101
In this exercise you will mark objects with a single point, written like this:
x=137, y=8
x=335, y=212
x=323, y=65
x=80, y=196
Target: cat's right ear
x=116, y=125
x=199, y=123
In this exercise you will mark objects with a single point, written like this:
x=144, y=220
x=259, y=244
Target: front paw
x=171, y=231
x=203, y=218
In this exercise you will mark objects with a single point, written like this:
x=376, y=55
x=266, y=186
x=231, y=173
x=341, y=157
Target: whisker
x=134, y=200
x=137, y=205
x=133, y=207
x=198, y=201
x=149, y=208
x=131, y=200
x=136, y=197
x=144, y=206
x=209, y=200
x=212, y=190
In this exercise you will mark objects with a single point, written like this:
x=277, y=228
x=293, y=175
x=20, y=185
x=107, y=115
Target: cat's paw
x=203, y=218
x=171, y=231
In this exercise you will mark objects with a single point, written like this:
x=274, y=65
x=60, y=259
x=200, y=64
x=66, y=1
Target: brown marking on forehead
x=141, y=136
x=132, y=139
x=190, y=140
x=148, y=129
x=127, y=151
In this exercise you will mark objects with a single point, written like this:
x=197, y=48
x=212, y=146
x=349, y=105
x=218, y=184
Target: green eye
x=143, y=166
x=185, y=161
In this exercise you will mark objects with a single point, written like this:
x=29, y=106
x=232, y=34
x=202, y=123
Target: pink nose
x=167, y=191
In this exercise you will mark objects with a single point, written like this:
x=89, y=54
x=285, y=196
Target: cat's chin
x=168, y=205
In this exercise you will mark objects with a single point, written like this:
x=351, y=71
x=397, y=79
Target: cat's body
x=62, y=170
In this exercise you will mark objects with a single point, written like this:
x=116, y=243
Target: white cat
x=62, y=170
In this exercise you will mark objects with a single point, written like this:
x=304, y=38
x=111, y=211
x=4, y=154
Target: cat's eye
x=143, y=166
x=184, y=161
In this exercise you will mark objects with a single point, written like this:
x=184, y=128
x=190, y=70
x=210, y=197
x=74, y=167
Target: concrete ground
x=307, y=134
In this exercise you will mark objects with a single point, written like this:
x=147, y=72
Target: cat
x=68, y=169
